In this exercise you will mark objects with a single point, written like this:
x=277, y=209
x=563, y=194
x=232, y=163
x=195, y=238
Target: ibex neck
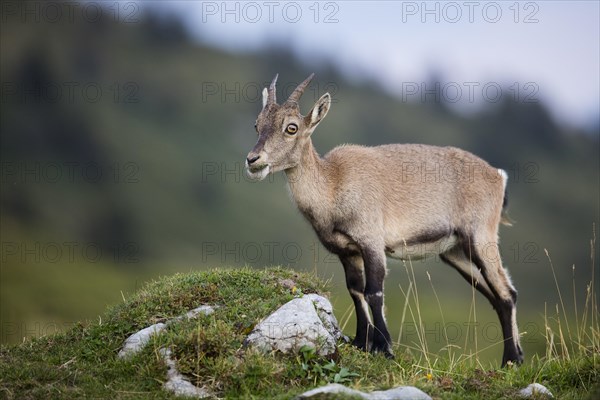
x=310, y=182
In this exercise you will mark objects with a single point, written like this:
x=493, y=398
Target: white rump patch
x=504, y=176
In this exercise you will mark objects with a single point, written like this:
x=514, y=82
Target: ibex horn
x=297, y=93
x=272, y=96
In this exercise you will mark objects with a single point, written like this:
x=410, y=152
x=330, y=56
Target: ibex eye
x=292, y=129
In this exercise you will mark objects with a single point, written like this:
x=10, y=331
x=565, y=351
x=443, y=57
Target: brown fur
x=403, y=200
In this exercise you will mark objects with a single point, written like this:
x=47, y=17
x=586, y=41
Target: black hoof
x=383, y=349
x=513, y=359
x=360, y=344
x=388, y=354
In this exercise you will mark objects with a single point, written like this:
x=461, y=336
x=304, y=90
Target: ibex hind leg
x=375, y=275
x=355, y=282
x=458, y=260
x=484, y=253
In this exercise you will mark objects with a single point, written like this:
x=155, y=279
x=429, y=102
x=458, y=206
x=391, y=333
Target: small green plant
x=319, y=370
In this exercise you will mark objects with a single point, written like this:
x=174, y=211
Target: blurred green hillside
x=122, y=154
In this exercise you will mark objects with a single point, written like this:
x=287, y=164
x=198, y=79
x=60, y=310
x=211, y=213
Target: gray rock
x=398, y=393
x=332, y=388
x=177, y=383
x=205, y=310
x=307, y=320
x=325, y=312
x=136, y=342
x=535, y=389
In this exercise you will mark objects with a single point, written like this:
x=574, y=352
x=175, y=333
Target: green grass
x=83, y=363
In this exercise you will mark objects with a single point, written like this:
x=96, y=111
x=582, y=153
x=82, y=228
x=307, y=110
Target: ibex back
x=400, y=200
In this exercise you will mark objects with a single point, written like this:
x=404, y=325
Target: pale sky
x=546, y=50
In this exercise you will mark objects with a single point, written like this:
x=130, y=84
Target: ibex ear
x=265, y=94
x=319, y=111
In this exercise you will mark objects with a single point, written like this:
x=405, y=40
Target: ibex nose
x=252, y=158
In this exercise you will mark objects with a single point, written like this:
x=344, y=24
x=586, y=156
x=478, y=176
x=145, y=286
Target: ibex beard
x=369, y=203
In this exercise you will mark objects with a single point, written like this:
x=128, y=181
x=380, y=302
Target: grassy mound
x=83, y=363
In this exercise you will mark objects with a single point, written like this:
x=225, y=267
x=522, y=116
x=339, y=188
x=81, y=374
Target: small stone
x=398, y=393
x=535, y=389
x=177, y=383
x=136, y=342
x=333, y=389
x=205, y=310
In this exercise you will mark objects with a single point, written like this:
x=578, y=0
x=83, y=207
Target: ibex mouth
x=258, y=168
x=258, y=173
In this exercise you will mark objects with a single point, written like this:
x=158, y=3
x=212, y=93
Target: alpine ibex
x=400, y=200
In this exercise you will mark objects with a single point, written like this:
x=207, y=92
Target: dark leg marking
x=375, y=274
x=355, y=282
x=505, y=307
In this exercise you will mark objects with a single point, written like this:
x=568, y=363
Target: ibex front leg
x=375, y=273
x=355, y=282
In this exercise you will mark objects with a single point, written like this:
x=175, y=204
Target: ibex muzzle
x=364, y=211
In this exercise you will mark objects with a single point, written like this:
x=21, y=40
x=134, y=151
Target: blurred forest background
x=122, y=149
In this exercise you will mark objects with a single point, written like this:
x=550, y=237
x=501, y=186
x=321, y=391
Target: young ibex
x=400, y=200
